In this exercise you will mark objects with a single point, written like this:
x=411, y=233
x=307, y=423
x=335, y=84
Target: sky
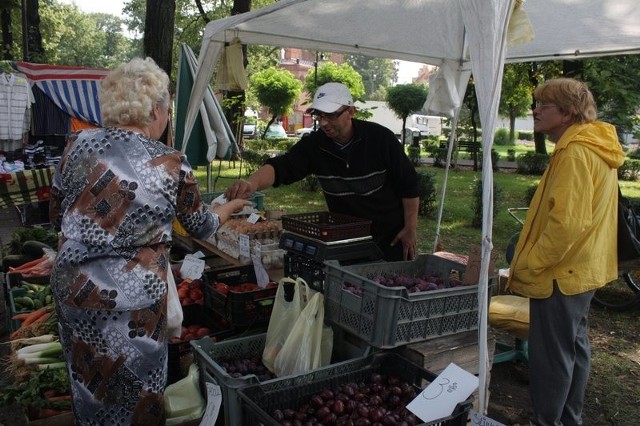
x=407, y=70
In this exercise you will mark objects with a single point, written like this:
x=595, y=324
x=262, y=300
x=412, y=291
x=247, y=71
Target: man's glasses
x=318, y=116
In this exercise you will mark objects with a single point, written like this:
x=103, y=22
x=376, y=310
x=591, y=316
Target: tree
x=6, y=8
x=159, y=24
x=331, y=72
x=276, y=89
x=404, y=99
x=377, y=73
x=35, y=49
x=516, y=96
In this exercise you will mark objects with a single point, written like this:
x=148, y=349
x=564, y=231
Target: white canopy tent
x=464, y=36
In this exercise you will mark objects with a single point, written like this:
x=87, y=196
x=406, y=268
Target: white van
x=425, y=124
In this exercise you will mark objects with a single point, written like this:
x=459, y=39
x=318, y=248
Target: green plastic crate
x=387, y=317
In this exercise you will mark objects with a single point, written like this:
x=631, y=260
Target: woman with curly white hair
x=115, y=195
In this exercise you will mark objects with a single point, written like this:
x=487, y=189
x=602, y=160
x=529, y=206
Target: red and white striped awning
x=73, y=89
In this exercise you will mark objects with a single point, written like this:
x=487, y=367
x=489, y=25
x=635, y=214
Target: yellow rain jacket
x=570, y=233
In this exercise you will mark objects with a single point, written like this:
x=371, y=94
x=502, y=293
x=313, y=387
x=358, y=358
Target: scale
x=305, y=256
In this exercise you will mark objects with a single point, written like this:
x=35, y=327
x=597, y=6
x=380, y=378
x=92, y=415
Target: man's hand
x=408, y=238
x=239, y=189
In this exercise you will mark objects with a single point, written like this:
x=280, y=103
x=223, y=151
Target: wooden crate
x=461, y=349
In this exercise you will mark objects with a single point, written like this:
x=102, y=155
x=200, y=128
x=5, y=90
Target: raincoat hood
x=599, y=137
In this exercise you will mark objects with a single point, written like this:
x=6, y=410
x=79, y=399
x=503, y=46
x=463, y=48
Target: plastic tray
x=259, y=400
x=14, y=278
x=241, y=310
x=256, y=197
x=327, y=226
x=180, y=352
x=386, y=317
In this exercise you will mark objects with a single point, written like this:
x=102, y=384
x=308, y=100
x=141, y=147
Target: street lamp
x=319, y=57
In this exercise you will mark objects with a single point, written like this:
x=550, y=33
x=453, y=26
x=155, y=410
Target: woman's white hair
x=129, y=93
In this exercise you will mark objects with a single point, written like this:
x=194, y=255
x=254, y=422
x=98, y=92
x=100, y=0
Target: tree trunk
x=35, y=50
x=159, y=23
x=7, y=35
x=235, y=112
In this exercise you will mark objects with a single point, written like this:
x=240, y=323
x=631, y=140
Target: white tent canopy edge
x=469, y=33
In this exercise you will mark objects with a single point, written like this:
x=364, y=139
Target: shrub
x=414, y=155
x=630, y=170
x=635, y=154
x=427, y=193
x=253, y=160
x=525, y=136
x=310, y=184
x=501, y=138
x=495, y=158
x=511, y=155
x=476, y=220
x=532, y=163
x=529, y=193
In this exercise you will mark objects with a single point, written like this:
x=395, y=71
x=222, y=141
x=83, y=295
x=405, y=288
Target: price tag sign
x=439, y=399
x=214, y=401
x=262, y=277
x=244, y=245
x=254, y=218
x=192, y=267
x=478, y=419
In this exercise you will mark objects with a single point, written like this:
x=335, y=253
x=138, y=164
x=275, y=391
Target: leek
x=43, y=349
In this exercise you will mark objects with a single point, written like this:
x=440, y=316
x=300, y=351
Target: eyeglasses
x=318, y=116
x=540, y=105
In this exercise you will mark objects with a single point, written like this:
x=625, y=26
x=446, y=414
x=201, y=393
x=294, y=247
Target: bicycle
x=619, y=295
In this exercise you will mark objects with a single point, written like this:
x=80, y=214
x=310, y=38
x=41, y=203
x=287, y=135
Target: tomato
x=202, y=331
x=189, y=336
x=196, y=294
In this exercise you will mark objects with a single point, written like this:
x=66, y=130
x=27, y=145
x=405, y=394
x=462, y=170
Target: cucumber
x=34, y=248
x=24, y=301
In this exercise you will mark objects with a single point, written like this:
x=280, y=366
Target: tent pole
x=454, y=123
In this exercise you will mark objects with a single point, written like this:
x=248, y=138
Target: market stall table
x=20, y=189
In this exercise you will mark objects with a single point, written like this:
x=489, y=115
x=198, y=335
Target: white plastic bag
x=303, y=351
x=283, y=317
x=174, y=308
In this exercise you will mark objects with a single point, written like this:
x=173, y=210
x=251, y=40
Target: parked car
x=303, y=131
x=250, y=130
x=275, y=131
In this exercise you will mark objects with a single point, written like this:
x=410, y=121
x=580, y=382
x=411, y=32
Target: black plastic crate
x=260, y=400
x=327, y=226
x=241, y=310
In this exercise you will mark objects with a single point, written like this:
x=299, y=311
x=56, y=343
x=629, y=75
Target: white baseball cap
x=331, y=96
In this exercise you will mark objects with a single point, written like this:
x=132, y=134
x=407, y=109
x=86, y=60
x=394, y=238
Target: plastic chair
x=510, y=313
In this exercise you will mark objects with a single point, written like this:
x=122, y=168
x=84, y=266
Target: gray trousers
x=559, y=357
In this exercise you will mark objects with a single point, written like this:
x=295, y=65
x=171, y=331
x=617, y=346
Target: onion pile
x=425, y=282
x=380, y=400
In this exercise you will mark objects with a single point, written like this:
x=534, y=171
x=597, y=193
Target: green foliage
x=532, y=163
x=511, y=155
x=630, y=170
x=476, y=220
x=502, y=137
x=414, y=154
x=253, y=160
x=635, y=154
x=427, y=193
x=525, y=135
x=405, y=99
x=277, y=89
x=377, y=74
x=31, y=233
x=331, y=72
x=516, y=96
x=529, y=193
x=310, y=184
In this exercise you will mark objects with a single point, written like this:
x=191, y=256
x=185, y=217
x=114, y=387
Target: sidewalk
x=502, y=164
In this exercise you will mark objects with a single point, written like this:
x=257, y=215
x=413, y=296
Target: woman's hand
x=239, y=189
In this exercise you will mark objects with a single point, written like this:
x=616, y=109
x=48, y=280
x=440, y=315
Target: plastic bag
x=174, y=308
x=302, y=351
x=283, y=317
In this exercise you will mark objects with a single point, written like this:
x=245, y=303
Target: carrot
x=58, y=398
x=35, y=317
x=44, y=413
x=27, y=265
x=21, y=317
x=36, y=314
